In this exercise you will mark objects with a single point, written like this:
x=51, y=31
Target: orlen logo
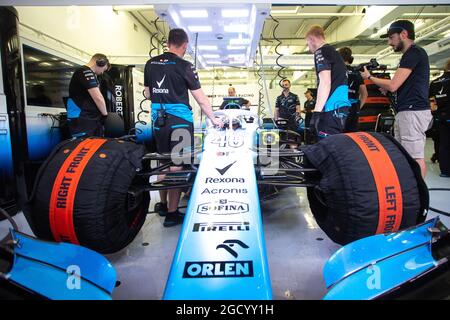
x=222, y=207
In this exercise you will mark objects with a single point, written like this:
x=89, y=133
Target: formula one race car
x=94, y=192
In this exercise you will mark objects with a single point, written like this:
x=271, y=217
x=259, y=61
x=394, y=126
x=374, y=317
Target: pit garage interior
x=57, y=36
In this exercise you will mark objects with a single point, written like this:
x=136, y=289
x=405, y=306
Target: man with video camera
x=357, y=91
x=410, y=83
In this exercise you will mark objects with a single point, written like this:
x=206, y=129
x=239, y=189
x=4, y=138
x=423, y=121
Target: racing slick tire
x=366, y=184
x=81, y=194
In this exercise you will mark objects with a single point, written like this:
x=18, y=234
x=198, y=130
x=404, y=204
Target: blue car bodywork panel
x=372, y=266
x=53, y=270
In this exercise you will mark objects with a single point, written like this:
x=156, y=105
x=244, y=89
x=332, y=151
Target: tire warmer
x=386, y=179
x=65, y=188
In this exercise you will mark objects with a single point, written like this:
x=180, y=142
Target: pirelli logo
x=390, y=201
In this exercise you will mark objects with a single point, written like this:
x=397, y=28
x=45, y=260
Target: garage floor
x=297, y=249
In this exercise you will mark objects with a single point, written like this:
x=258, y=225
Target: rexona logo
x=218, y=269
x=221, y=226
x=159, y=83
x=223, y=170
x=222, y=207
x=224, y=180
x=224, y=191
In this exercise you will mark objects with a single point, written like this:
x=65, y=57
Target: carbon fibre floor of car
x=297, y=249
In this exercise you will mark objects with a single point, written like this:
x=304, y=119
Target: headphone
x=101, y=62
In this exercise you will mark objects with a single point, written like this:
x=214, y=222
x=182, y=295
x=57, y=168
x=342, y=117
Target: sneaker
x=444, y=175
x=173, y=218
x=161, y=208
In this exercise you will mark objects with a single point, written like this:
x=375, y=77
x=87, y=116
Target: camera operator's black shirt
x=327, y=58
x=169, y=78
x=413, y=93
x=82, y=104
x=440, y=90
x=287, y=105
x=354, y=82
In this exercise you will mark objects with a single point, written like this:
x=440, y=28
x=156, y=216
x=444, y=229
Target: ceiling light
x=45, y=64
x=207, y=47
x=33, y=58
x=200, y=28
x=194, y=13
x=235, y=13
x=236, y=47
x=212, y=62
x=211, y=56
x=446, y=33
x=239, y=41
x=236, y=28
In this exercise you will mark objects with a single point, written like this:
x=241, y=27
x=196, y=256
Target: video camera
x=371, y=65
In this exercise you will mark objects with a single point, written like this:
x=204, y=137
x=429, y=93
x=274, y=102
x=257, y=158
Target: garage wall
x=89, y=29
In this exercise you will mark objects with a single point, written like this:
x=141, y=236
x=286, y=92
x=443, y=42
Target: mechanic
x=357, y=91
x=86, y=107
x=167, y=80
x=308, y=107
x=410, y=83
x=243, y=103
x=287, y=106
x=332, y=104
x=440, y=92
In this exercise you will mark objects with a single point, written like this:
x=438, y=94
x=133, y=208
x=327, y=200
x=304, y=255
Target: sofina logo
x=222, y=207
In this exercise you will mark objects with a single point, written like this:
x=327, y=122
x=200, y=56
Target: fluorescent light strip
x=235, y=13
x=237, y=28
x=213, y=62
x=194, y=13
x=211, y=56
x=236, y=47
x=239, y=41
x=199, y=28
x=206, y=47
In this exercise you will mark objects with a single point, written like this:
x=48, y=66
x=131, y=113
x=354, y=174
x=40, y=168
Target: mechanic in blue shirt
x=168, y=78
x=410, y=83
x=86, y=107
x=332, y=104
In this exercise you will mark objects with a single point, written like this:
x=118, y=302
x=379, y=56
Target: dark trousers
x=434, y=132
x=444, y=147
x=85, y=127
x=329, y=123
x=351, y=125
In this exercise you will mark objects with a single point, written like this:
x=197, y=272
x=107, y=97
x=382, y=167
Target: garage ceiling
x=358, y=27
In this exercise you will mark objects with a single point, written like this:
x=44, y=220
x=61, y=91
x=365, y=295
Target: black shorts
x=176, y=135
x=90, y=127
